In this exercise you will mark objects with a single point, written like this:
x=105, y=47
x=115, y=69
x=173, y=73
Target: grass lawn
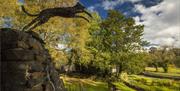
x=165, y=74
x=160, y=70
x=172, y=71
x=146, y=83
x=122, y=86
x=154, y=84
x=77, y=84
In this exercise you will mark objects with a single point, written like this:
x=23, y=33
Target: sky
x=160, y=17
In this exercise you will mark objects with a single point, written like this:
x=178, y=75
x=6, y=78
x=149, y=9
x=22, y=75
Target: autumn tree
x=54, y=31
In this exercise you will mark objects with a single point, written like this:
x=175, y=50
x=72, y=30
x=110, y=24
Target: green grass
x=154, y=84
x=160, y=70
x=85, y=87
x=146, y=83
x=172, y=72
x=77, y=84
x=122, y=86
x=165, y=74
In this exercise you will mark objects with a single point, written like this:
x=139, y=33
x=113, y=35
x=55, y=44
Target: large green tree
x=114, y=42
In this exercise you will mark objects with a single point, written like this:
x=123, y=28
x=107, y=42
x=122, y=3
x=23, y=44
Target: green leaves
x=114, y=42
x=162, y=57
x=93, y=47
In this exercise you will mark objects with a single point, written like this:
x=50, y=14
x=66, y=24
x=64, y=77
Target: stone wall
x=25, y=63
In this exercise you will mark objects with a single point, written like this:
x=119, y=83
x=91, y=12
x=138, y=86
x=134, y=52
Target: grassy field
x=77, y=84
x=146, y=83
x=172, y=71
x=154, y=84
x=122, y=87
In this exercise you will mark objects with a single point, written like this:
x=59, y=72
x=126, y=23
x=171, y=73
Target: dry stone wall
x=25, y=63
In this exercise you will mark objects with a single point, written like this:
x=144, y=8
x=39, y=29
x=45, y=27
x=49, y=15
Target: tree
x=176, y=51
x=117, y=37
x=166, y=58
x=162, y=58
x=71, y=33
x=155, y=57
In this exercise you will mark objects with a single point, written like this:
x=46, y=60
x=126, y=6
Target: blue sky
x=160, y=17
x=125, y=6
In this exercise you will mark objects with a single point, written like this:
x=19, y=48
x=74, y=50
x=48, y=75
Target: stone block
x=34, y=44
x=22, y=44
x=19, y=55
x=40, y=58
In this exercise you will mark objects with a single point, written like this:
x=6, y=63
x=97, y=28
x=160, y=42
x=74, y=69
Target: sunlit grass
x=165, y=74
x=160, y=69
x=77, y=84
x=154, y=84
x=146, y=83
x=123, y=87
x=172, y=71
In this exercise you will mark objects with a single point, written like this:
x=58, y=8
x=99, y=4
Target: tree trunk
x=156, y=68
x=165, y=68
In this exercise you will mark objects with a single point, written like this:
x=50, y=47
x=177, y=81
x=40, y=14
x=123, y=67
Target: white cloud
x=92, y=9
x=162, y=22
x=108, y=4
